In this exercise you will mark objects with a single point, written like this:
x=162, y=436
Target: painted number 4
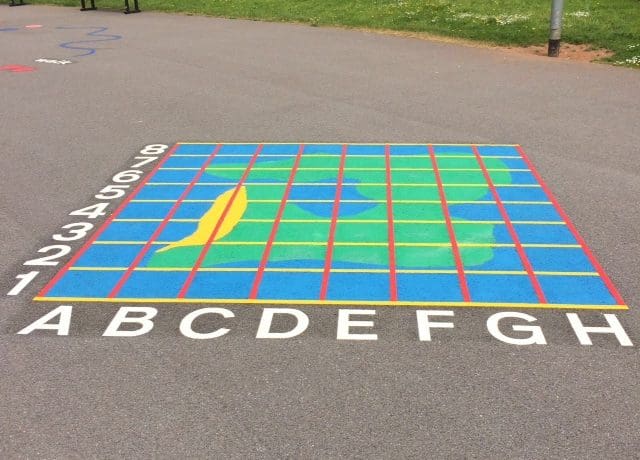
x=93, y=211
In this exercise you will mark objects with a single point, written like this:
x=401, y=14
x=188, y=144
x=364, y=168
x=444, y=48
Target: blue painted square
x=540, y=234
x=192, y=210
x=170, y=175
x=237, y=160
x=185, y=162
x=290, y=286
x=532, y=212
x=501, y=259
x=559, y=260
x=521, y=194
x=195, y=149
x=366, y=150
x=221, y=285
x=409, y=150
x=175, y=231
x=481, y=212
x=145, y=211
x=238, y=149
x=129, y=231
x=576, y=290
x=501, y=288
x=208, y=192
x=153, y=285
x=358, y=286
x=229, y=180
x=95, y=284
x=325, y=149
x=522, y=177
x=160, y=192
x=464, y=150
x=108, y=255
x=280, y=149
x=429, y=287
x=498, y=150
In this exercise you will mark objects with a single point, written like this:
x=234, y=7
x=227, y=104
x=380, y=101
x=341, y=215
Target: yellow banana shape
x=209, y=221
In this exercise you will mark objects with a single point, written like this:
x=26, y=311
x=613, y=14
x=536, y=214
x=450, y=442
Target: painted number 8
x=154, y=149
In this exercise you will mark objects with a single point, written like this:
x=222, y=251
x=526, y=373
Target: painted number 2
x=58, y=251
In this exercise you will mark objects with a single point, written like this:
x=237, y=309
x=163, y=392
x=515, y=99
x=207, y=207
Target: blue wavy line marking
x=8, y=29
x=96, y=33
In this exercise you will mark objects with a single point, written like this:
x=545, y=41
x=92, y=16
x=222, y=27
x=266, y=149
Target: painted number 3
x=75, y=232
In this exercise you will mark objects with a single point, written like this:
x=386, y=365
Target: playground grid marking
x=537, y=260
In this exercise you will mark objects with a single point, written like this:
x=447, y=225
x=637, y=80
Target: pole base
x=554, y=48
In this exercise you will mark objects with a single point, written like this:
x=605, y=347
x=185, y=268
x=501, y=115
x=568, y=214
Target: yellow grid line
x=546, y=203
x=335, y=270
x=320, y=303
x=337, y=155
x=324, y=184
x=369, y=221
x=316, y=243
x=411, y=144
x=347, y=169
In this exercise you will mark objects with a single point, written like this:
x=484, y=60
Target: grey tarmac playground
x=66, y=129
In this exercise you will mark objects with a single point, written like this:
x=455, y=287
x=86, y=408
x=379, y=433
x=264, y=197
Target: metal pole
x=556, y=28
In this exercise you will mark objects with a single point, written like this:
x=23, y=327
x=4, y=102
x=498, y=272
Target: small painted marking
x=16, y=68
x=54, y=61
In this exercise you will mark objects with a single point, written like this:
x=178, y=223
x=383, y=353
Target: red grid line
x=45, y=290
x=332, y=228
x=393, y=278
x=512, y=231
x=276, y=223
x=572, y=228
x=127, y=274
x=452, y=234
x=205, y=249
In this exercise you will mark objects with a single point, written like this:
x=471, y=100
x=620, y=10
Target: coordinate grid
x=385, y=224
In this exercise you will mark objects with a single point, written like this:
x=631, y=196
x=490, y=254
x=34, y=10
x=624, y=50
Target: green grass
x=610, y=24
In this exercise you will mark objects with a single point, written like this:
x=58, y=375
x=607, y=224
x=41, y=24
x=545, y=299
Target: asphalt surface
x=66, y=129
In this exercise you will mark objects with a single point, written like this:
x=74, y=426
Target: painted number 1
x=25, y=279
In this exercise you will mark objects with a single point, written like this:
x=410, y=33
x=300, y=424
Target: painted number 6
x=124, y=177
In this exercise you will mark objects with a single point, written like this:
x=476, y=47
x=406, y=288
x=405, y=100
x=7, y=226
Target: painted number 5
x=111, y=192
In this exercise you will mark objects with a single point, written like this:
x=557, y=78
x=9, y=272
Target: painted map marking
x=339, y=224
